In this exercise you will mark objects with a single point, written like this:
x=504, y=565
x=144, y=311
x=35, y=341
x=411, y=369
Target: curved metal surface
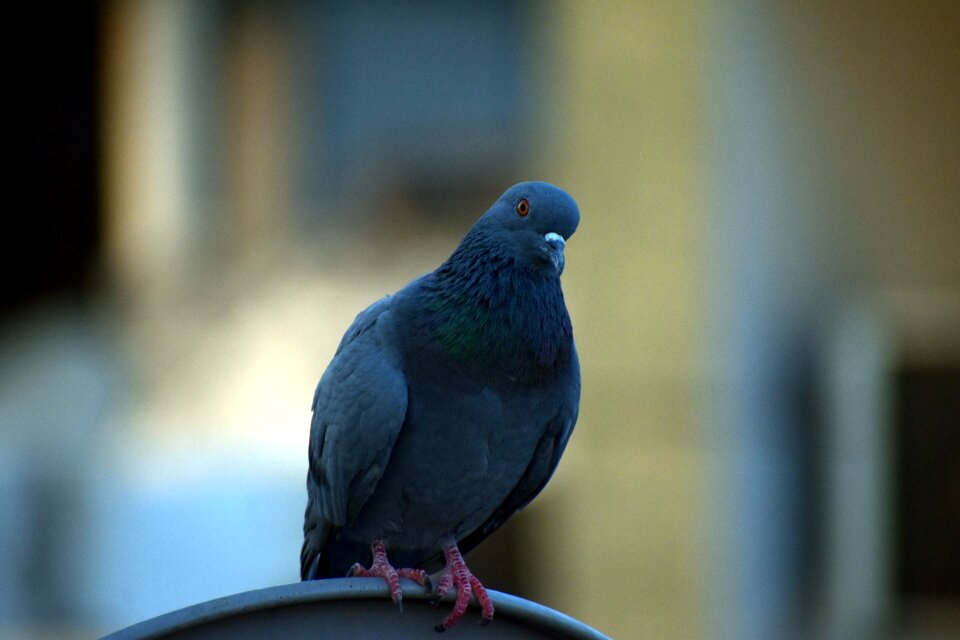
x=349, y=608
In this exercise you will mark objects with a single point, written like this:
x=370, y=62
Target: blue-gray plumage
x=447, y=405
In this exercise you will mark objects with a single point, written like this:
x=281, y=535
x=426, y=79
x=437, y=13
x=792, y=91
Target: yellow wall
x=625, y=510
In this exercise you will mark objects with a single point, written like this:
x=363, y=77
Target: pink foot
x=381, y=568
x=455, y=574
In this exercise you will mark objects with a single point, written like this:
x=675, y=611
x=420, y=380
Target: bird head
x=532, y=222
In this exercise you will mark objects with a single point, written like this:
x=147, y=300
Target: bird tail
x=309, y=560
x=316, y=534
x=313, y=560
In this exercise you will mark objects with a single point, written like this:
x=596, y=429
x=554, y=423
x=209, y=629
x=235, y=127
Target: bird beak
x=554, y=250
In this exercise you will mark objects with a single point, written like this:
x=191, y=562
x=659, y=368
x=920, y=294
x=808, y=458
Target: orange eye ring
x=523, y=208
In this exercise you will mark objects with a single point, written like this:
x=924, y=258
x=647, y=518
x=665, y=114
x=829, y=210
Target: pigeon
x=446, y=407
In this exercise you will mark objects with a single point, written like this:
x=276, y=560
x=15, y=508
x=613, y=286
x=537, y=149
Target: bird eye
x=523, y=208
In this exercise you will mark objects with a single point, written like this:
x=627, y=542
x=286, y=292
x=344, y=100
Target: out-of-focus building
x=765, y=290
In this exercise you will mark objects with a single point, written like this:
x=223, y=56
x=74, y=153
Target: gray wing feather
x=539, y=470
x=358, y=411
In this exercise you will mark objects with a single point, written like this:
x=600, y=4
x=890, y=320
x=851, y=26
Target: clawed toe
x=456, y=575
x=417, y=575
x=427, y=584
x=381, y=568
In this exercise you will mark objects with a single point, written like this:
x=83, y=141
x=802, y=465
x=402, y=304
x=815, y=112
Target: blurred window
x=422, y=101
x=928, y=484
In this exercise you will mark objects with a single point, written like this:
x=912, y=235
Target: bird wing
x=540, y=468
x=358, y=411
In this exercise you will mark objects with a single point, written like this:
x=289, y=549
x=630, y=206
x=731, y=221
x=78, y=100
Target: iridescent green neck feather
x=492, y=312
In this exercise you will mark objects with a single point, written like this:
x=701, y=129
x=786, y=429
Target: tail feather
x=309, y=561
x=316, y=534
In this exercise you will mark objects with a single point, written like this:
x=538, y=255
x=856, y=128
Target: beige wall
x=865, y=98
x=626, y=549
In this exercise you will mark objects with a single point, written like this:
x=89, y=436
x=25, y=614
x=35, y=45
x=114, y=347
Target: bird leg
x=455, y=574
x=381, y=568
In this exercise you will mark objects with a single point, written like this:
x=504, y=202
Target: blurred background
x=765, y=290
